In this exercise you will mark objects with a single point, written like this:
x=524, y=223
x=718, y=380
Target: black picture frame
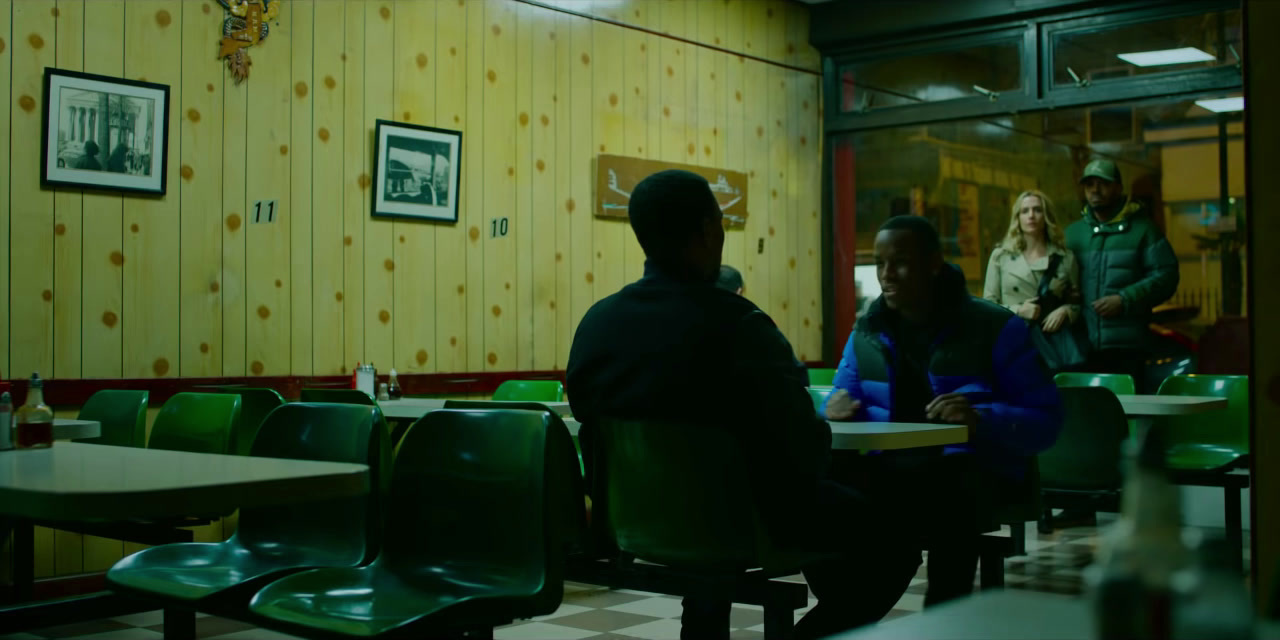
x=130, y=153
x=417, y=172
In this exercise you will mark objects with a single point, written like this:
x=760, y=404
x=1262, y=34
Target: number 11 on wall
x=264, y=211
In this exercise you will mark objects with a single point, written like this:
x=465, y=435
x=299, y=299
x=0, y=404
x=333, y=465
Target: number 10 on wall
x=498, y=227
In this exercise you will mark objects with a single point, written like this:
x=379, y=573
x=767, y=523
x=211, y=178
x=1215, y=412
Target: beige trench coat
x=1011, y=280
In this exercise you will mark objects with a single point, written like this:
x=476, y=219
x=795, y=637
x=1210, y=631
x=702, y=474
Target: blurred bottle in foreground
x=1212, y=601
x=1131, y=581
x=33, y=421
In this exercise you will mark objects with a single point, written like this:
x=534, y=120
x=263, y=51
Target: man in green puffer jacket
x=1126, y=268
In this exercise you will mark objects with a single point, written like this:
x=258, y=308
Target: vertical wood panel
x=581, y=276
x=452, y=244
x=68, y=224
x=810, y=199
x=6, y=69
x=301, y=145
x=414, y=245
x=103, y=277
x=327, y=242
x=267, y=263
x=672, y=87
x=778, y=245
x=354, y=203
x=200, y=131
x=639, y=101
x=379, y=101
x=473, y=184
x=735, y=133
x=756, y=233
x=546, y=210
x=563, y=119
x=31, y=224
x=233, y=285
x=499, y=185
x=524, y=224
x=153, y=50
x=609, y=90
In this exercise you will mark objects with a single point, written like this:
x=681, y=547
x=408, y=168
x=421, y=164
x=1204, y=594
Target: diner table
x=414, y=408
x=877, y=435
x=79, y=482
x=68, y=429
x=1144, y=409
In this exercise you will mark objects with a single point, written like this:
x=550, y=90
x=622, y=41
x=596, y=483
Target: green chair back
x=819, y=397
x=530, y=391
x=1086, y=456
x=822, y=377
x=196, y=422
x=255, y=405
x=698, y=513
x=332, y=533
x=339, y=396
x=1120, y=384
x=1212, y=439
x=123, y=415
x=524, y=406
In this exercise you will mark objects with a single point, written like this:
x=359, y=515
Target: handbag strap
x=1052, y=270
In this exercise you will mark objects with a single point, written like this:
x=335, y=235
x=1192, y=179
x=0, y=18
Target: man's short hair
x=667, y=209
x=730, y=279
x=921, y=228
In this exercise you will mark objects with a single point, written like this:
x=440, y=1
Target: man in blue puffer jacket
x=927, y=351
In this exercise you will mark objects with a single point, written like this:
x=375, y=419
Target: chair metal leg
x=1231, y=497
x=24, y=559
x=991, y=570
x=1018, y=535
x=179, y=624
x=779, y=620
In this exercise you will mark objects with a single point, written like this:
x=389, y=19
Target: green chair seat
x=529, y=391
x=271, y=542
x=1203, y=457
x=123, y=415
x=481, y=512
x=1120, y=384
x=822, y=377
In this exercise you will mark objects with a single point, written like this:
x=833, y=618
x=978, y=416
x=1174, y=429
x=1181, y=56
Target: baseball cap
x=1104, y=169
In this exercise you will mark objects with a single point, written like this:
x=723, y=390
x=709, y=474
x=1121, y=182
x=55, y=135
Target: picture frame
x=416, y=172
x=101, y=132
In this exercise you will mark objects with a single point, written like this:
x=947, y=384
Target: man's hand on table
x=953, y=408
x=840, y=406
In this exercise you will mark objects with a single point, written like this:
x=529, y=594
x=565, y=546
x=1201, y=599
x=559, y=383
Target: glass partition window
x=973, y=72
x=1086, y=55
x=965, y=175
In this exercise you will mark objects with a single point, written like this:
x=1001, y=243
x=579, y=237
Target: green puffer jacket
x=1129, y=256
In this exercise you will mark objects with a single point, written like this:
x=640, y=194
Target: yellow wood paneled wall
x=103, y=285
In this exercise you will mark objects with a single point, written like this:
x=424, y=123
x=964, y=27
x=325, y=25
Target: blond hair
x=1014, y=242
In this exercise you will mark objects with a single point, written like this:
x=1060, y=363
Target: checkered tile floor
x=1053, y=564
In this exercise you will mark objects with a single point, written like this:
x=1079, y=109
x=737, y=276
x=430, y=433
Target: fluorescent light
x=1222, y=105
x=1166, y=56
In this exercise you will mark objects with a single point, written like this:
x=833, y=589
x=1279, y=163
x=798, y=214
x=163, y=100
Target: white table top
x=68, y=429
x=1153, y=405
x=877, y=435
x=414, y=408
x=89, y=482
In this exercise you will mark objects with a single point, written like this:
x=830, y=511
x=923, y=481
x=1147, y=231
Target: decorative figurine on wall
x=245, y=27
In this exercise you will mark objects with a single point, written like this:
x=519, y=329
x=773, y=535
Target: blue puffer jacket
x=982, y=351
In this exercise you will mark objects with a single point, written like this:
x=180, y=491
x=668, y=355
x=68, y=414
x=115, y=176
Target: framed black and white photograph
x=104, y=133
x=416, y=171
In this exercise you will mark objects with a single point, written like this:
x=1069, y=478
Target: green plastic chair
x=196, y=422
x=1213, y=441
x=339, y=396
x=1082, y=469
x=822, y=377
x=530, y=391
x=271, y=542
x=1120, y=384
x=697, y=517
x=819, y=397
x=255, y=405
x=123, y=415
x=525, y=406
x=479, y=518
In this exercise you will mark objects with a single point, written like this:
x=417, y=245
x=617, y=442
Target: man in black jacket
x=675, y=346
